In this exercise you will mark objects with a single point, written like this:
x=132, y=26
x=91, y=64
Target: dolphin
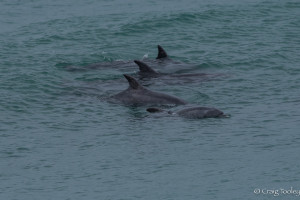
x=193, y=112
x=125, y=65
x=147, y=71
x=138, y=95
x=115, y=64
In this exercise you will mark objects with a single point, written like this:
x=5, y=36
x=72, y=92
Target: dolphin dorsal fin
x=161, y=53
x=133, y=84
x=144, y=67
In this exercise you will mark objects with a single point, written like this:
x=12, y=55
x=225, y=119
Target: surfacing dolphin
x=138, y=95
x=145, y=71
x=125, y=65
x=193, y=112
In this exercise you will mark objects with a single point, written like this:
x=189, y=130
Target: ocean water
x=59, y=138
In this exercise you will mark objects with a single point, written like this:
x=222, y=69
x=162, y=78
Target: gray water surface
x=60, y=140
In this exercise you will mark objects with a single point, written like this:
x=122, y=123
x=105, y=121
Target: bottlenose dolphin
x=126, y=66
x=193, y=113
x=138, y=95
x=113, y=64
x=147, y=71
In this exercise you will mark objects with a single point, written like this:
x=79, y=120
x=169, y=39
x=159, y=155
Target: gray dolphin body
x=193, y=113
x=147, y=71
x=162, y=60
x=162, y=57
x=137, y=95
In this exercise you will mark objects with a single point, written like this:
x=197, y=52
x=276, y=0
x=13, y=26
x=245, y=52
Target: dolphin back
x=136, y=94
x=200, y=112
